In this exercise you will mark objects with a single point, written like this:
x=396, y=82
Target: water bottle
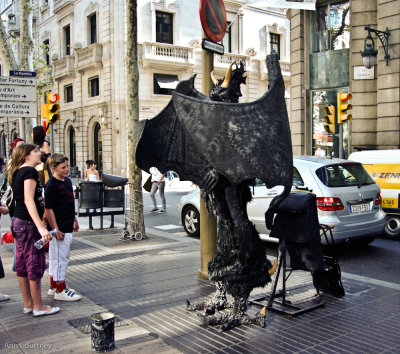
x=40, y=243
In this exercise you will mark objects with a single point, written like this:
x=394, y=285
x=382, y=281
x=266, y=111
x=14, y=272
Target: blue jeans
x=154, y=188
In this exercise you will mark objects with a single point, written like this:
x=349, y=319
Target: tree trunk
x=26, y=56
x=6, y=51
x=135, y=187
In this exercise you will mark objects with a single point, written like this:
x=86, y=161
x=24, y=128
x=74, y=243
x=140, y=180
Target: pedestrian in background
x=28, y=227
x=158, y=183
x=60, y=214
x=91, y=174
x=16, y=142
x=3, y=297
x=39, y=136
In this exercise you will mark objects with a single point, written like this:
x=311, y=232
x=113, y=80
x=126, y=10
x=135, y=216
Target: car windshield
x=343, y=175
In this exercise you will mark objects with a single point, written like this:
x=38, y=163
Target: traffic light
x=329, y=118
x=343, y=106
x=50, y=109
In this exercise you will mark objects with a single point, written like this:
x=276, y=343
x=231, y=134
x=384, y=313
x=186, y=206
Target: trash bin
x=90, y=196
x=102, y=335
x=114, y=198
x=113, y=180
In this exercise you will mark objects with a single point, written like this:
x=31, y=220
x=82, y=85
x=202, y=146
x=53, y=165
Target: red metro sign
x=213, y=19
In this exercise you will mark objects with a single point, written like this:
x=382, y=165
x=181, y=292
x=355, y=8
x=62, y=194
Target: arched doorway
x=98, y=147
x=72, y=146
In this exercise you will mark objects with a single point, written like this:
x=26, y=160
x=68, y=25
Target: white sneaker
x=4, y=297
x=67, y=295
x=52, y=291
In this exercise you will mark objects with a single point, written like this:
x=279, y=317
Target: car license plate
x=359, y=208
x=390, y=203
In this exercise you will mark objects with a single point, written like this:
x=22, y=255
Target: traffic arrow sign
x=17, y=93
x=21, y=81
x=18, y=109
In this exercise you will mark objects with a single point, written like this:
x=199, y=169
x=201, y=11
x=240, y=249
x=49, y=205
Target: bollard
x=103, y=332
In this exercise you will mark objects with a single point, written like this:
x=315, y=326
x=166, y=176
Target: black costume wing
x=164, y=143
x=240, y=140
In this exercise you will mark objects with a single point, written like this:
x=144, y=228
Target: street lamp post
x=369, y=53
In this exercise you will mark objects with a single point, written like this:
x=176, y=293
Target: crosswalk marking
x=168, y=227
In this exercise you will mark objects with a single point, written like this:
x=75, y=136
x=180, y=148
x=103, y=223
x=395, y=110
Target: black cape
x=240, y=140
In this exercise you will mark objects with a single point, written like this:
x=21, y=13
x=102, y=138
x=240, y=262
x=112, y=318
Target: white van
x=384, y=168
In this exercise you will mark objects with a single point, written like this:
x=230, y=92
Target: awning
x=166, y=81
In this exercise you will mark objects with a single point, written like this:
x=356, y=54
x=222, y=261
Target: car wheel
x=392, y=227
x=191, y=220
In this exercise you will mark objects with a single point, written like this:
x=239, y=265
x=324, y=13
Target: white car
x=347, y=198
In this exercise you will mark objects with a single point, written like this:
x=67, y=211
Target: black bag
x=1, y=269
x=330, y=278
x=147, y=184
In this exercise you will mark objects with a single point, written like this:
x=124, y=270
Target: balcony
x=63, y=67
x=223, y=61
x=89, y=57
x=161, y=54
x=61, y=4
x=285, y=69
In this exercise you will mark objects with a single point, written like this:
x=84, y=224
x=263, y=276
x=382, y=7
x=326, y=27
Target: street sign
x=4, y=80
x=17, y=93
x=213, y=19
x=212, y=46
x=18, y=109
x=22, y=73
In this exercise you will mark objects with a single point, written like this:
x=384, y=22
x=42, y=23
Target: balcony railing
x=63, y=67
x=89, y=57
x=176, y=55
x=226, y=59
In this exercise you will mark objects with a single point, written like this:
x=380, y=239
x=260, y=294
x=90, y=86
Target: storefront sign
x=362, y=73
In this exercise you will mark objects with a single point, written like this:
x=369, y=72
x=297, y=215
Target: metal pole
x=341, y=141
x=52, y=138
x=208, y=222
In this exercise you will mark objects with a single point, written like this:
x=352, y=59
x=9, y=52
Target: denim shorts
x=30, y=262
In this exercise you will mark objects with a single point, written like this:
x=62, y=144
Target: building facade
x=326, y=47
x=82, y=46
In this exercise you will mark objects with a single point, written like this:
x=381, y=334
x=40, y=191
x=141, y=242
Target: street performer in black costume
x=222, y=146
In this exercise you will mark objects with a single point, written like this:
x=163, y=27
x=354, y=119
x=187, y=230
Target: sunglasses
x=61, y=160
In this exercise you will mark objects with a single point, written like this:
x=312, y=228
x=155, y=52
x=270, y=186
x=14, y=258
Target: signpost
x=18, y=96
x=18, y=109
x=17, y=93
x=213, y=19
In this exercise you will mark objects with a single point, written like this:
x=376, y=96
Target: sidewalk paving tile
x=146, y=284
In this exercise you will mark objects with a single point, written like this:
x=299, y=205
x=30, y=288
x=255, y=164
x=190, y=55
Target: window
x=68, y=94
x=46, y=49
x=165, y=84
x=275, y=40
x=67, y=38
x=92, y=29
x=94, y=86
x=164, y=27
x=227, y=40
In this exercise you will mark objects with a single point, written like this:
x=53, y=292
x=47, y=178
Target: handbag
x=147, y=185
x=7, y=197
x=330, y=278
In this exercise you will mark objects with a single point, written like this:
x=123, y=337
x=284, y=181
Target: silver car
x=347, y=199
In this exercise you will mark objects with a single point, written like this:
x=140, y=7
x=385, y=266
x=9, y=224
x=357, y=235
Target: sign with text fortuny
x=213, y=19
x=17, y=81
